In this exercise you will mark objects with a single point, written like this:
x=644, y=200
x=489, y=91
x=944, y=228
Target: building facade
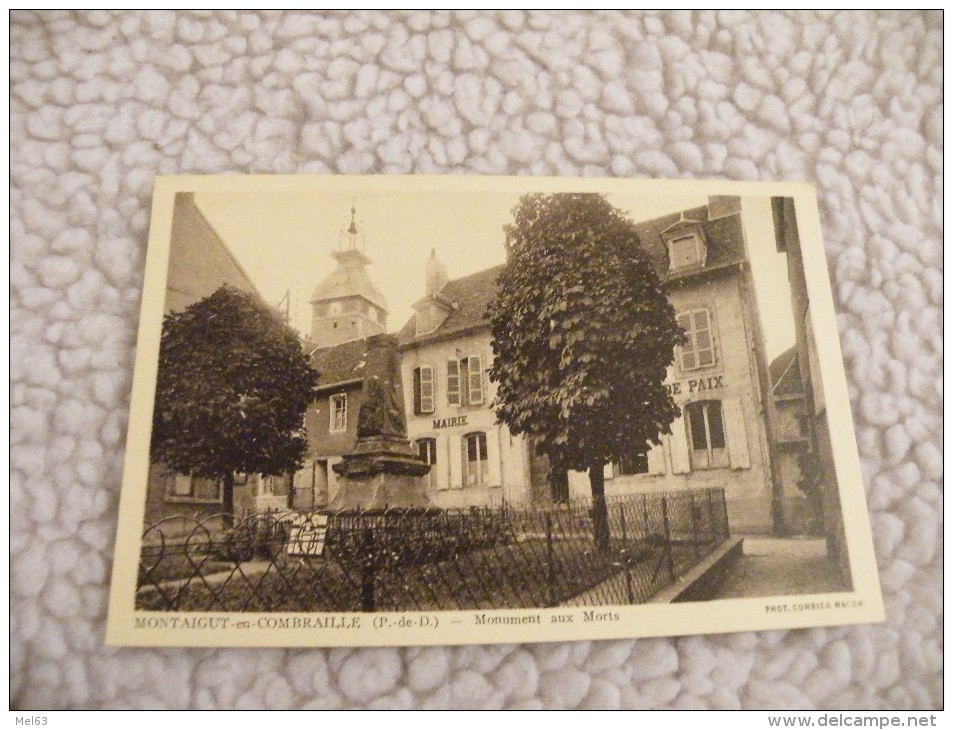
x=800, y=510
x=719, y=380
x=200, y=263
x=718, y=376
x=819, y=464
x=331, y=421
x=445, y=355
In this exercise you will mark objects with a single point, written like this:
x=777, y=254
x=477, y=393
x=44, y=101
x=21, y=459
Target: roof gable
x=470, y=297
x=723, y=236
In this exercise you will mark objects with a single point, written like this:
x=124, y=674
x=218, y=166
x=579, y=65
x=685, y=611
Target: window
x=706, y=433
x=185, y=488
x=427, y=449
x=684, y=252
x=423, y=390
x=686, y=248
x=426, y=320
x=465, y=381
x=338, y=420
x=633, y=464
x=699, y=348
x=474, y=459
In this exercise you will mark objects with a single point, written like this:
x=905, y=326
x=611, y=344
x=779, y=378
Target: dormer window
x=426, y=320
x=686, y=245
x=431, y=313
x=684, y=251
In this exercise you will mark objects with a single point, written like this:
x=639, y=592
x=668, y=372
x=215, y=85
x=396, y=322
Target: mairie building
x=719, y=380
x=445, y=354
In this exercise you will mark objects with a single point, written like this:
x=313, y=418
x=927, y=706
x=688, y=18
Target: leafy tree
x=232, y=389
x=582, y=335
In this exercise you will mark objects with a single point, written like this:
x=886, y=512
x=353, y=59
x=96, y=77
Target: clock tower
x=347, y=305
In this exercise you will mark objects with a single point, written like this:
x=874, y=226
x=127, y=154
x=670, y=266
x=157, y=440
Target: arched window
x=475, y=462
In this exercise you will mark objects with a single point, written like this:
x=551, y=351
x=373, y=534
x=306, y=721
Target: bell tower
x=347, y=305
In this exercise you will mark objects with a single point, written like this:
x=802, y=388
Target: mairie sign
x=449, y=422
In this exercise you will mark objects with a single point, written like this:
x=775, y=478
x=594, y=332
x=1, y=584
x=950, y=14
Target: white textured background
x=101, y=103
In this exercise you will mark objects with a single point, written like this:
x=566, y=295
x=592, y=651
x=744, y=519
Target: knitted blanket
x=102, y=102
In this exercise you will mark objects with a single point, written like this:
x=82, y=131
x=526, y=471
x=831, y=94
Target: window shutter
x=736, y=434
x=453, y=382
x=688, y=349
x=455, y=475
x=699, y=348
x=656, y=457
x=704, y=347
x=678, y=448
x=417, y=404
x=426, y=390
x=475, y=380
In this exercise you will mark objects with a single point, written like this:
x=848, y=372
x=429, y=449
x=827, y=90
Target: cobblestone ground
x=775, y=567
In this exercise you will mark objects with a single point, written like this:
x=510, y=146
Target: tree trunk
x=228, y=499
x=558, y=482
x=600, y=512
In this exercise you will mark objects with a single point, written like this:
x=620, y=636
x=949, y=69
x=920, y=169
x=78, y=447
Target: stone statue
x=383, y=470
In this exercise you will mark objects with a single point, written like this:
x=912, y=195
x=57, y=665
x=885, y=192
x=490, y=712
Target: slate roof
x=340, y=363
x=472, y=295
x=349, y=279
x=786, y=374
x=725, y=241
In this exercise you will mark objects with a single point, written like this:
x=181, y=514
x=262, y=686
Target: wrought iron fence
x=513, y=556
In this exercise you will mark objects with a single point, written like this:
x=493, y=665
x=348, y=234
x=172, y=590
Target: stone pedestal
x=382, y=470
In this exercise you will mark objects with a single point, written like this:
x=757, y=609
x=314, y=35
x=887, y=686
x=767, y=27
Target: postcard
x=408, y=410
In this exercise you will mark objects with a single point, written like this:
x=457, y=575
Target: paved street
x=774, y=566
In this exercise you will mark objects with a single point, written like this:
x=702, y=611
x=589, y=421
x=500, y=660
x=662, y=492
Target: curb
x=699, y=583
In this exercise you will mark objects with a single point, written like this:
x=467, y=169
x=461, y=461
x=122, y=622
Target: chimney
x=436, y=274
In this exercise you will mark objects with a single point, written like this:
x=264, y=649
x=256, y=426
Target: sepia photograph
x=392, y=410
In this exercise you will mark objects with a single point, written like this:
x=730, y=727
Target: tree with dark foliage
x=232, y=389
x=583, y=332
